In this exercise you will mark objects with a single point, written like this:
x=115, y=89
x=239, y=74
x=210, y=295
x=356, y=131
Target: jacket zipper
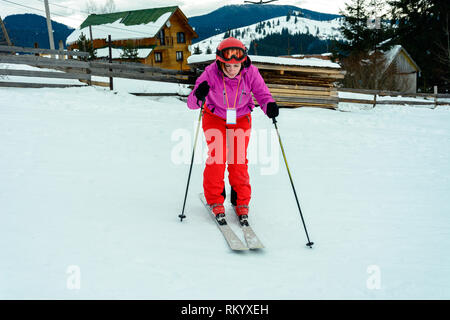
x=240, y=98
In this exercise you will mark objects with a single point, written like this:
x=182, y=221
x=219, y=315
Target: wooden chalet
x=161, y=36
x=293, y=83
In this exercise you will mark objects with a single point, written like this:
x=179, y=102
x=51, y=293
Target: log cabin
x=161, y=36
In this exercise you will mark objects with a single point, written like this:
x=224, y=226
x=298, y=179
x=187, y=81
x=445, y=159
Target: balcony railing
x=167, y=42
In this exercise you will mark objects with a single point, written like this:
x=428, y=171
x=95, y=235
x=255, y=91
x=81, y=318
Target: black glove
x=202, y=91
x=272, y=110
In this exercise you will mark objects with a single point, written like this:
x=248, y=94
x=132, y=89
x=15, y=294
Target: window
x=179, y=55
x=162, y=37
x=180, y=37
x=158, y=57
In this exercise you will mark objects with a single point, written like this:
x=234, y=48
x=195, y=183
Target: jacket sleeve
x=260, y=90
x=193, y=102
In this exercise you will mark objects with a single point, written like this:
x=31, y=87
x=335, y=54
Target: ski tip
x=256, y=248
x=238, y=249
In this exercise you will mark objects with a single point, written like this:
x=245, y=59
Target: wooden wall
x=169, y=50
x=406, y=73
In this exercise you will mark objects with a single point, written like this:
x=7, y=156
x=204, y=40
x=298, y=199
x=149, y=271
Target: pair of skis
x=230, y=236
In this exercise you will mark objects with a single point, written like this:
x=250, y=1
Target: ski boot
x=242, y=213
x=219, y=212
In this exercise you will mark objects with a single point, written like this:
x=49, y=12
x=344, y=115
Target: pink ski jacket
x=251, y=82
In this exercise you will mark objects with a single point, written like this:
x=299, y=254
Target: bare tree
x=109, y=7
x=368, y=71
x=91, y=6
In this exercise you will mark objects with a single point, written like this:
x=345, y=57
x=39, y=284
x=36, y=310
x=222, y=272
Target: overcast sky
x=70, y=12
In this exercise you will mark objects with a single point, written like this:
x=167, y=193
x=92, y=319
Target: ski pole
x=182, y=215
x=309, y=244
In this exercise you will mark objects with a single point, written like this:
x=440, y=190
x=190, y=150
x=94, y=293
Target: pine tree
x=197, y=50
x=366, y=29
x=130, y=52
x=354, y=27
x=423, y=30
x=85, y=45
x=288, y=16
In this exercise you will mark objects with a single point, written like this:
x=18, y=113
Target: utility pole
x=92, y=39
x=111, y=84
x=5, y=33
x=49, y=26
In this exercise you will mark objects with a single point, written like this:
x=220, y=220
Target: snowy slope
x=321, y=29
x=93, y=181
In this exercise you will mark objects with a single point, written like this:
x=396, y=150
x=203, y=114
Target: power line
x=68, y=17
x=137, y=32
x=40, y=10
x=64, y=7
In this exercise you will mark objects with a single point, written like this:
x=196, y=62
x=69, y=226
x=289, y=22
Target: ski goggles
x=228, y=54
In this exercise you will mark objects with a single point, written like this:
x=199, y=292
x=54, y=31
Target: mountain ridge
x=225, y=17
x=25, y=30
x=285, y=35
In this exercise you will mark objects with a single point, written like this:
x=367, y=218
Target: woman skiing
x=226, y=86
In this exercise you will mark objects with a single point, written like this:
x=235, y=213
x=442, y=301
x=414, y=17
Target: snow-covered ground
x=92, y=182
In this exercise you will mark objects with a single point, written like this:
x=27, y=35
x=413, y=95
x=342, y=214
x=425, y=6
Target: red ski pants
x=227, y=145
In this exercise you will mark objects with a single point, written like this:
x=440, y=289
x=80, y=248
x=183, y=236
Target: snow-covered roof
x=307, y=62
x=137, y=24
x=391, y=54
x=394, y=51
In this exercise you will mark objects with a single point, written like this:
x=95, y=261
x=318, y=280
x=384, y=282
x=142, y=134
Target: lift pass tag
x=231, y=116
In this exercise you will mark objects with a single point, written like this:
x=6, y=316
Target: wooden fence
x=81, y=70
x=84, y=70
x=429, y=99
